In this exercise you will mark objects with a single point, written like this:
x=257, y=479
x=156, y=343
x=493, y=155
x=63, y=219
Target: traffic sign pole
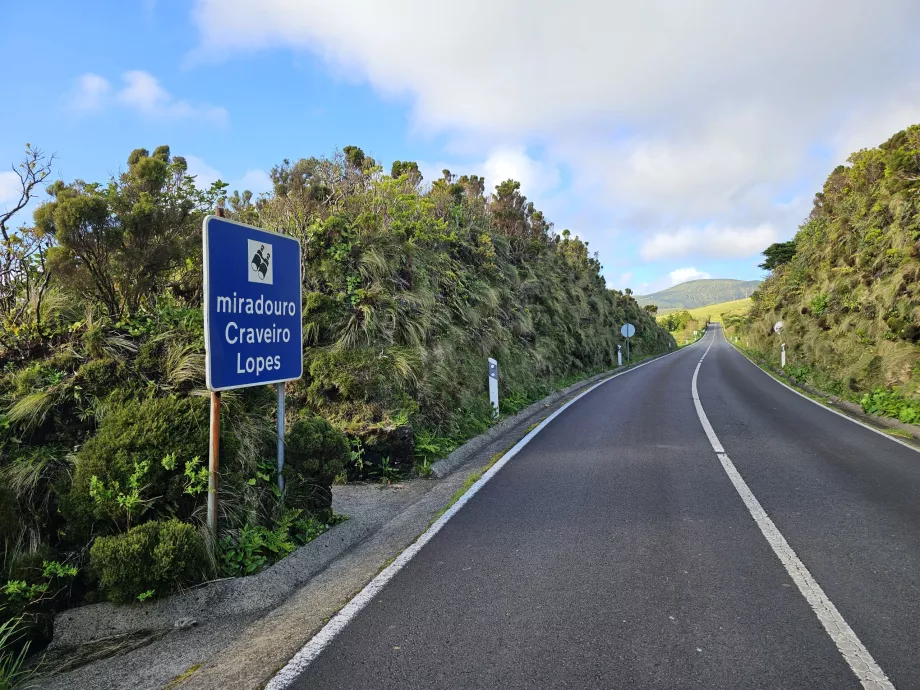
x=628, y=331
x=280, y=387
x=213, y=457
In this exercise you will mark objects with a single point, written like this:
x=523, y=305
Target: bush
x=314, y=454
x=891, y=404
x=157, y=557
x=137, y=433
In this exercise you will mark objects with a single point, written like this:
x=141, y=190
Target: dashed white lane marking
x=296, y=666
x=853, y=651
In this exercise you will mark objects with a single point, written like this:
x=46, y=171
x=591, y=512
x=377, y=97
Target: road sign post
x=777, y=328
x=493, y=384
x=628, y=331
x=253, y=330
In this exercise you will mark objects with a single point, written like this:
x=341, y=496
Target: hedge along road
x=618, y=550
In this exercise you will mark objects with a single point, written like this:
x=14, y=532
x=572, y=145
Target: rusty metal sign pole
x=214, y=445
x=213, y=455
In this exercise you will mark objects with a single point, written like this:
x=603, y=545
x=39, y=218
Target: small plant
x=196, y=476
x=356, y=455
x=144, y=596
x=12, y=660
x=514, y=403
x=113, y=502
x=424, y=468
x=891, y=404
x=430, y=446
x=388, y=473
x=819, y=304
x=21, y=592
x=254, y=547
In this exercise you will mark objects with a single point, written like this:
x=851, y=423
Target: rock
x=185, y=623
x=396, y=444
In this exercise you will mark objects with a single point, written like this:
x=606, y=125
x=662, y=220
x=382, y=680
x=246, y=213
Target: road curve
x=614, y=551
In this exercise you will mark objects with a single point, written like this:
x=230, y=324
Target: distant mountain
x=699, y=293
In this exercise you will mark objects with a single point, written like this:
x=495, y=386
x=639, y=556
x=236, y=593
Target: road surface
x=615, y=551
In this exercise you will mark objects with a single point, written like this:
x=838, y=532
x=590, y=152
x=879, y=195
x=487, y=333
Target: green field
x=714, y=311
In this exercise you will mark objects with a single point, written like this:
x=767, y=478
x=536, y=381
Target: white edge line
x=848, y=644
x=312, y=649
x=820, y=404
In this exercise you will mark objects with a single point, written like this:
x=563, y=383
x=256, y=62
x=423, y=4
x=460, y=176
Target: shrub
x=99, y=377
x=158, y=557
x=142, y=434
x=891, y=404
x=314, y=454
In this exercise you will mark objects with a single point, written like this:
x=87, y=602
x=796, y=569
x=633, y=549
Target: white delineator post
x=619, y=356
x=783, y=356
x=493, y=384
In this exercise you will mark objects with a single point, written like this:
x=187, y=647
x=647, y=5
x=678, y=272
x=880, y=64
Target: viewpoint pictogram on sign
x=260, y=262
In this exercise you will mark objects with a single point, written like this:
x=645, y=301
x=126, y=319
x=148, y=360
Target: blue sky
x=679, y=139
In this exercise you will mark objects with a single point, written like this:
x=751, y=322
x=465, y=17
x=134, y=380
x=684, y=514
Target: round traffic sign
x=628, y=330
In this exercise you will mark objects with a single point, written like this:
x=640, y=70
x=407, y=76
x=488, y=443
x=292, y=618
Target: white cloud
x=727, y=243
x=669, y=114
x=204, y=174
x=256, y=181
x=143, y=93
x=89, y=92
x=507, y=162
x=682, y=275
x=537, y=178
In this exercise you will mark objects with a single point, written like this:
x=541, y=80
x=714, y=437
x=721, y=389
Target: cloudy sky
x=678, y=138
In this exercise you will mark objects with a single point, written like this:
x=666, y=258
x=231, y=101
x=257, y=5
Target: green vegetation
x=714, y=312
x=407, y=289
x=153, y=557
x=12, y=653
x=849, y=295
x=699, y=293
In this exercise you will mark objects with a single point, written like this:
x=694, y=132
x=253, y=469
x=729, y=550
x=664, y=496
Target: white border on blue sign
x=207, y=302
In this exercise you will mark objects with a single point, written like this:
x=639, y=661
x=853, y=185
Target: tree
x=407, y=168
x=131, y=240
x=777, y=254
x=23, y=271
x=651, y=309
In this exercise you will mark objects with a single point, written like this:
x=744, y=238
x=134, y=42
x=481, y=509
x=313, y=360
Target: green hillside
x=699, y=293
x=714, y=312
x=848, y=289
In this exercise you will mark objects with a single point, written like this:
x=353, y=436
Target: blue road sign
x=253, y=332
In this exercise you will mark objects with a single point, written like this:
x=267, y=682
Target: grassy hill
x=699, y=293
x=850, y=295
x=715, y=311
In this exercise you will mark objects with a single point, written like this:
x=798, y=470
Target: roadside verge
x=905, y=434
x=238, y=633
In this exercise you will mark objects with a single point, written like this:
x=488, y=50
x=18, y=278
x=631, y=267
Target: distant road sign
x=778, y=326
x=628, y=330
x=253, y=330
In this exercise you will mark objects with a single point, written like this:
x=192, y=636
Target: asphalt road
x=614, y=551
